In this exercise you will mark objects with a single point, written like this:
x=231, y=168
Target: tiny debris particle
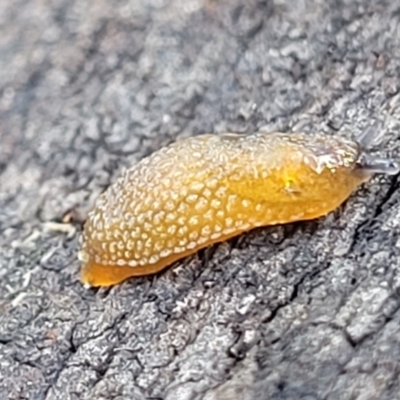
x=209, y=188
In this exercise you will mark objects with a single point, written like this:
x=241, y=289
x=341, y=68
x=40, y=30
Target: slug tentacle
x=369, y=165
x=209, y=188
x=371, y=136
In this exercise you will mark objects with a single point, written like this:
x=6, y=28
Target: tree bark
x=87, y=88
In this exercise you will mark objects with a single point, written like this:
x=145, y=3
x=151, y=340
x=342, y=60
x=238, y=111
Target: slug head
x=338, y=154
x=320, y=172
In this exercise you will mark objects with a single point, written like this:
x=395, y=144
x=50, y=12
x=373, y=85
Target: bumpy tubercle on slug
x=334, y=186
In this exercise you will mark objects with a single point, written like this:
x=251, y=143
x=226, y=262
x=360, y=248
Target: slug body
x=209, y=188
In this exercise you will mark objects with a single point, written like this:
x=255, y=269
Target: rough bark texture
x=88, y=87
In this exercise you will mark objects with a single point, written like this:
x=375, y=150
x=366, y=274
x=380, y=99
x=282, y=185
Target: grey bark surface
x=88, y=87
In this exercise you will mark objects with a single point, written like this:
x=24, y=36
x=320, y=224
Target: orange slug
x=209, y=188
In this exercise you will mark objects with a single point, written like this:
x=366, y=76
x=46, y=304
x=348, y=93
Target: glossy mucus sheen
x=209, y=188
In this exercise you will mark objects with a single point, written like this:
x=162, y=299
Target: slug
x=209, y=188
